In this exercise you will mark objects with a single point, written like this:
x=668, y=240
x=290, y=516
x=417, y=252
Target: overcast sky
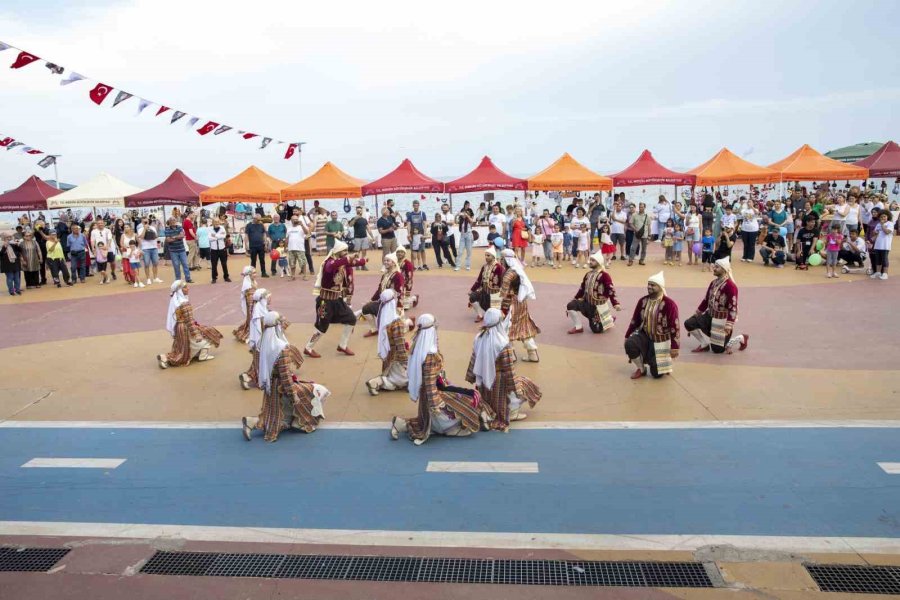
x=369, y=83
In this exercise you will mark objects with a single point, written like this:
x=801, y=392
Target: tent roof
x=178, y=188
x=486, y=176
x=104, y=190
x=854, y=152
x=727, y=168
x=327, y=182
x=646, y=171
x=807, y=164
x=884, y=163
x=31, y=195
x=250, y=185
x=569, y=174
x=406, y=178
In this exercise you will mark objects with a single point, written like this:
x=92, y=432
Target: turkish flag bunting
x=99, y=93
x=161, y=110
x=247, y=136
x=207, y=128
x=35, y=152
x=6, y=142
x=290, y=151
x=23, y=59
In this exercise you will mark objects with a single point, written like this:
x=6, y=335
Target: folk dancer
x=713, y=323
x=485, y=292
x=492, y=370
x=334, y=291
x=408, y=269
x=248, y=288
x=392, y=346
x=391, y=279
x=515, y=291
x=653, y=335
x=288, y=403
x=443, y=409
x=262, y=298
x=189, y=339
x=595, y=299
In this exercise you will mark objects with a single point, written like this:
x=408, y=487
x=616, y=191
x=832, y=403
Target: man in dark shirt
x=62, y=232
x=255, y=233
x=415, y=221
x=773, y=249
x=387, y=225
x=596, y=214
x=361, y=234
x=806, y=242
x=176, y=249
x=276, y=231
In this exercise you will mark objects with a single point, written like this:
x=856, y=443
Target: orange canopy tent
x=327, y=182
x=727, y=168
x=569, y=174
x=250, y=185
x=807, y=164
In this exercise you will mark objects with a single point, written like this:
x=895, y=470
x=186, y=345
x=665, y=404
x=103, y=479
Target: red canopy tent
x=486, y=176
x=646, y=171
x=884, y=163
x=31, y=195
x=405, y=179
x=178, y=188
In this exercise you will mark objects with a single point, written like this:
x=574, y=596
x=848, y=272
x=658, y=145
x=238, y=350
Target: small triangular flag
x=72, y=77
x=221, y=129
x=161, y=110
x=178, y=114
x=144, y=103
x=121, y=97
x=192, y=122
x=265, y=143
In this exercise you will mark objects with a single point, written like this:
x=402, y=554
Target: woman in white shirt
x=884, y=230
x=851, y=223
x=839, y=212
x=749, y=230
x=218, y=249
x=692, y=233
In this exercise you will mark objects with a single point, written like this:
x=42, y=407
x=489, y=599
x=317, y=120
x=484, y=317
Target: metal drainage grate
x=30, y=559
x=856, y=578
x=431, y=570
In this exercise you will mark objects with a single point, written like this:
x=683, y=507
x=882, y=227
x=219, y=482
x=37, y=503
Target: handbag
x=525, y=234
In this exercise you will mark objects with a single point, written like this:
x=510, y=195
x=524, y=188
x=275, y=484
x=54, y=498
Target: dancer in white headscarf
x=654, y=333
x=334, y=294
x=485, y=292
x=492, y=370
x=515, y=293
x=713, y=323
x=443, y=409
x=262, y=300
x=189, y=338
x=596, y=299
x=392, y=346
x=391, y=279
x=288, y=403
x=248, y=288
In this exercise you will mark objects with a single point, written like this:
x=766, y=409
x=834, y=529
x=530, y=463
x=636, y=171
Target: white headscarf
x=260, y=310
x=725, y=263
x=526, y=290
x=246, y=285
x=177, y=298
x=387, y=314
x=339, y=246
x=488, y=346
x=426, y=343
x=271, y=344
x=660, y=280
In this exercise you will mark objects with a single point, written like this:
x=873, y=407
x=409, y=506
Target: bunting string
x=10, y=143
x=100, y=91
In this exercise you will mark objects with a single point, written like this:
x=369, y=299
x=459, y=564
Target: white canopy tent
x=103, y=191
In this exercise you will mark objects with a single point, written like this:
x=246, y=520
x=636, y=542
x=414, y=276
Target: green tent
x=856, y=152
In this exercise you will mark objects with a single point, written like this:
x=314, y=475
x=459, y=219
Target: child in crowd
x=833, y=242
x=537, y=247
x=492, y=234
x=607, y=248
x=707, y=244
x=557, y=245
x=668, y=242
x=678, y=246
x=567, y=243
x=100, y=258
x=134, y=262
x=283, y=258
x=584, y=246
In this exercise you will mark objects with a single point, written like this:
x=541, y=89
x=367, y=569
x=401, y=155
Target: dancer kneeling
x=492, y=370
x=443, y=409
x=288, y=403
x=653, y=335
x=485, y=292
x=595, y=299
x=190, y=339
x=392, y=279
x=392, y=348
x=248, y=288
x=713, y=323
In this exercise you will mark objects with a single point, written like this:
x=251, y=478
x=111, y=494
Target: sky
x=366, y=84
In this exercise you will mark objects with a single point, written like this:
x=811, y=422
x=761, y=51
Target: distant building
x=849, y=154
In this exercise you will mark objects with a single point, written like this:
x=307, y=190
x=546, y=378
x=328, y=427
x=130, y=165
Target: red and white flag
x=290, y=151
x=6, y=142
x=248, y=135
x=161, y=110
x=210, y=126
x=22, y=60
x=33, y=151
x=99, y=93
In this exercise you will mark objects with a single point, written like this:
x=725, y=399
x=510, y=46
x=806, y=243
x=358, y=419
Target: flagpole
x=300, y=158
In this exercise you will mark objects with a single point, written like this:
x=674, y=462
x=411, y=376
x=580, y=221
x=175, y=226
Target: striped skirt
x=521, y=325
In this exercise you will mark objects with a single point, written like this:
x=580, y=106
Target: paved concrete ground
x=821, y=351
